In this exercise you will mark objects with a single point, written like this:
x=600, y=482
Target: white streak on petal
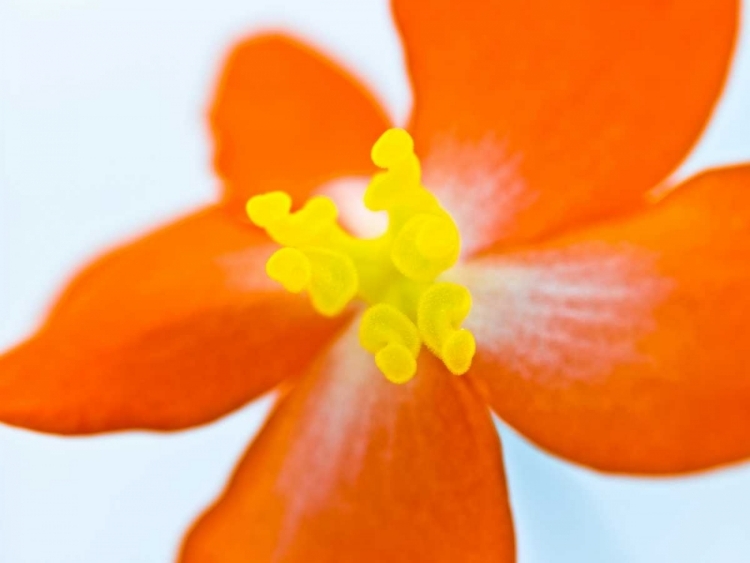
x=563, y=315
x=348, y=194
x=480, y=185
x=332, y=440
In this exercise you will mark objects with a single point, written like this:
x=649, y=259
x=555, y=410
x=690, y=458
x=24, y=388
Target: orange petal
x=624, y=346
x=547, y=113
x=286, y=118
x=351, y=467
x=170, y=331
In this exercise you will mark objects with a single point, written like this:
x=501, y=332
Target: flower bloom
x=608, y=324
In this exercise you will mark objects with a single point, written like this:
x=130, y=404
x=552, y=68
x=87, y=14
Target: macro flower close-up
x=518, y=246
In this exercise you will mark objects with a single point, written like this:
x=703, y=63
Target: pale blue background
x=102, y=136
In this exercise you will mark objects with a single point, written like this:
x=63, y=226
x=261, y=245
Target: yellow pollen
x=395, y=274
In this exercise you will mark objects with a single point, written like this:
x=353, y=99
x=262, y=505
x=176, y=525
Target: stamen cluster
x=395, y=273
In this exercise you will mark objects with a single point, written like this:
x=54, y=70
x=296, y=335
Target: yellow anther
x=319, y=211
x=393, y=146
x=394, y=274
x=393, y=338
x=333, y=280
x=305, y=227
x=400, y=186
x=396, y=363
x=458, y=351
x=399, y=193
x=438, y=239
x=383, y=324
x=442, y=309
x=330, y=277
x=267, y=209
x=291, y=268
x=425, y=247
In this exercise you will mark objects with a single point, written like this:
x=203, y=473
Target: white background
x=101, y=137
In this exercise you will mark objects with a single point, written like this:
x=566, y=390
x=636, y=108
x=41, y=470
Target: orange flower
x=609, y=330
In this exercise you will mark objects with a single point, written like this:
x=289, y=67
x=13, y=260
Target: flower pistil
x=396, y=274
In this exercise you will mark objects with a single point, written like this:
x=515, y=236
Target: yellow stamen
x=393, y=338
x=442, y=309
x=395, y=274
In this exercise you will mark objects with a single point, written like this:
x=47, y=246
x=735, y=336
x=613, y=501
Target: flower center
x=395, y=274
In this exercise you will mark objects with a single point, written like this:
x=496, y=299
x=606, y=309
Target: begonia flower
x=538, y=263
